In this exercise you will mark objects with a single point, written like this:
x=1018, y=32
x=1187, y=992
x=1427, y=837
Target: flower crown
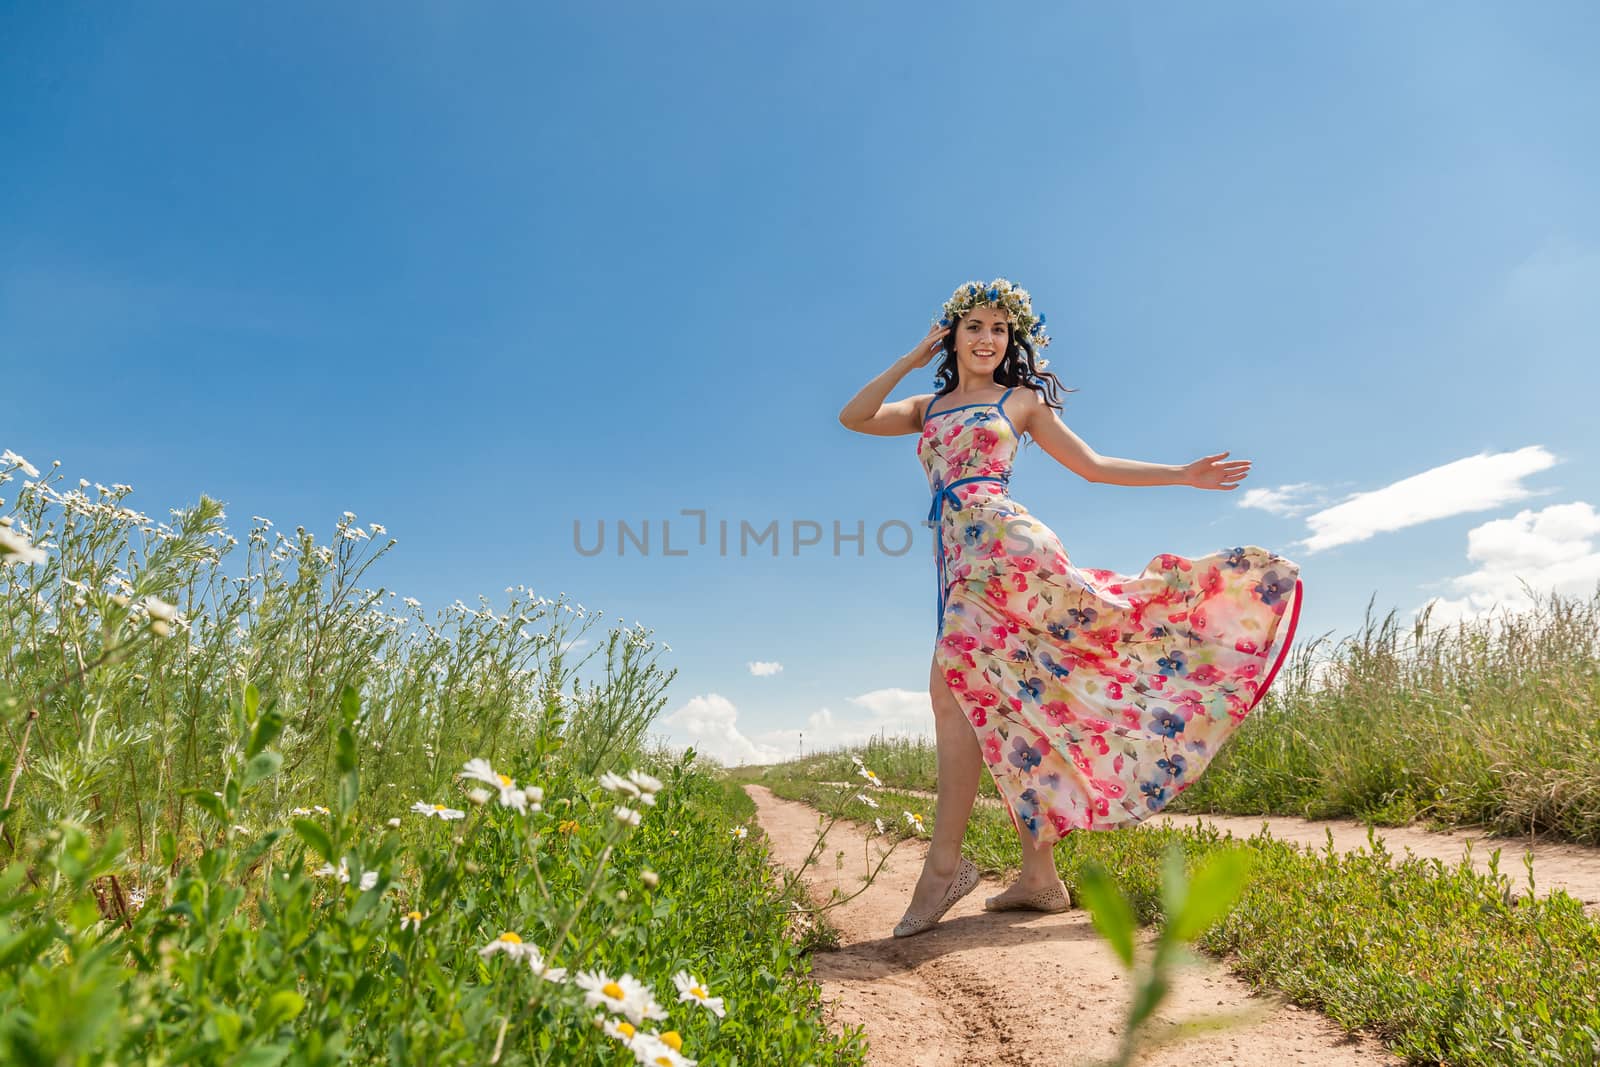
x=1012, y=299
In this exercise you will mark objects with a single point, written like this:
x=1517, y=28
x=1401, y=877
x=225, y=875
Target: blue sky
x=479, y=272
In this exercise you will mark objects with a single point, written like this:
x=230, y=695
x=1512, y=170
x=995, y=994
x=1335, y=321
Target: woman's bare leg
x=960, y=764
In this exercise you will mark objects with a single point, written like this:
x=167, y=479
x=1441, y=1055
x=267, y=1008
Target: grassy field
x=259, y=810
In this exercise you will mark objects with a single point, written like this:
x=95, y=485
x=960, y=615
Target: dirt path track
x=1012, y=989
x=1556, y=864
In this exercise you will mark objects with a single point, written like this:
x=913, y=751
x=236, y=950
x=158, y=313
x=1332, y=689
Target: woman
x=1093, y=697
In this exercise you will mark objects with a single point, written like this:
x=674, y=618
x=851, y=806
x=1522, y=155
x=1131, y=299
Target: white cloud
x=764, y=669
x=1279, y=501
x=1471, y=484
x=1552, y=550
x=885, y=712
x=711, y=723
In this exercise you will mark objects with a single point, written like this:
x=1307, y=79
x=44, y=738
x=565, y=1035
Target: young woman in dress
x=1092, y=697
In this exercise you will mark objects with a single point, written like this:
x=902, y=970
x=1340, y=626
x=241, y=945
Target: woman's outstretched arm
x=1041, y=422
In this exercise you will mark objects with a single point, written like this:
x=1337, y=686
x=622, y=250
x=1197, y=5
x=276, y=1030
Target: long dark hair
x=1017, y=368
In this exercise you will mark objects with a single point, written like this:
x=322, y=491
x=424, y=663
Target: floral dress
x=1097, y=697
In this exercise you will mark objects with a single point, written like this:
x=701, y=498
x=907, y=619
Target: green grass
x=1443, y=964
x=192, y=738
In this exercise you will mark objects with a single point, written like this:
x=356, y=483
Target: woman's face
x=981, y=339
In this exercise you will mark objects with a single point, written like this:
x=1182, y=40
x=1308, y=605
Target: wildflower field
x=258, y=810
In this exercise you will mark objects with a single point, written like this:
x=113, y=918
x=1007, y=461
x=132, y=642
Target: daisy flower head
x=856, y=760
x=542, y=969
x=740, y=832
x=914, y=821
x=868, y=801
x=479, y=770
x=368, y=878
x=411, y=920
x=646, y=785
x=626, y=815
x=621, y=1029
x=618, y=784
x=511, y=944
x=660, y=1050
x=625, y=995
x=882, y=829
x=437, y=811
x=872, y=779
x=690, y=989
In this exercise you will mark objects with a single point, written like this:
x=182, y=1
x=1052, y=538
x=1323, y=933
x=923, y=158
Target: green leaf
x=349, y=792
x=1215, y=887
x=349, y=705
x=209, y=802
x=1109, y=909
x=346, y=757
x=279, y=1008
x=262, y=765
x=314, y=835
x=1146, y=999
x=268, y=726
x=264, y=1056
x=1174, y=884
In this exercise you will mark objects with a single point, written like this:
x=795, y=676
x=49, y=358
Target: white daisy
x=511, y=944
x=690, y=989
x=645, y=783
x=871, y=778
x=625, y=995
x=510, y=796
x=618, y=784
x=411, y=920
x=660, y=1050
x=10, y=458
x=368, y=878
x=868, y=801
x=15, y=548
x=542, y=969
x=915, y=821
x=626, y=815
x=621, y=1029
x=437, y=811
x=740, y=832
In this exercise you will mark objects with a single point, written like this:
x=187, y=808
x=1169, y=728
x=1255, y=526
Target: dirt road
x=1556, y=864
x=1012, y=989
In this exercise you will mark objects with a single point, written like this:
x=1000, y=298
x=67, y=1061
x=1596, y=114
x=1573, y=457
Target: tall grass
x=1488, y=723
x=240, y=825
x=129, y=716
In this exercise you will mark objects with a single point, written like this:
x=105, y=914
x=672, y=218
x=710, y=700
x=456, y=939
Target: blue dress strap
x=1001, y=405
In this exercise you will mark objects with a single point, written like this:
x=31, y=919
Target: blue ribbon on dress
x=936, y=520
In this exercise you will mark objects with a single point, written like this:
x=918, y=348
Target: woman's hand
x=1208, y=473
x=930, y=346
